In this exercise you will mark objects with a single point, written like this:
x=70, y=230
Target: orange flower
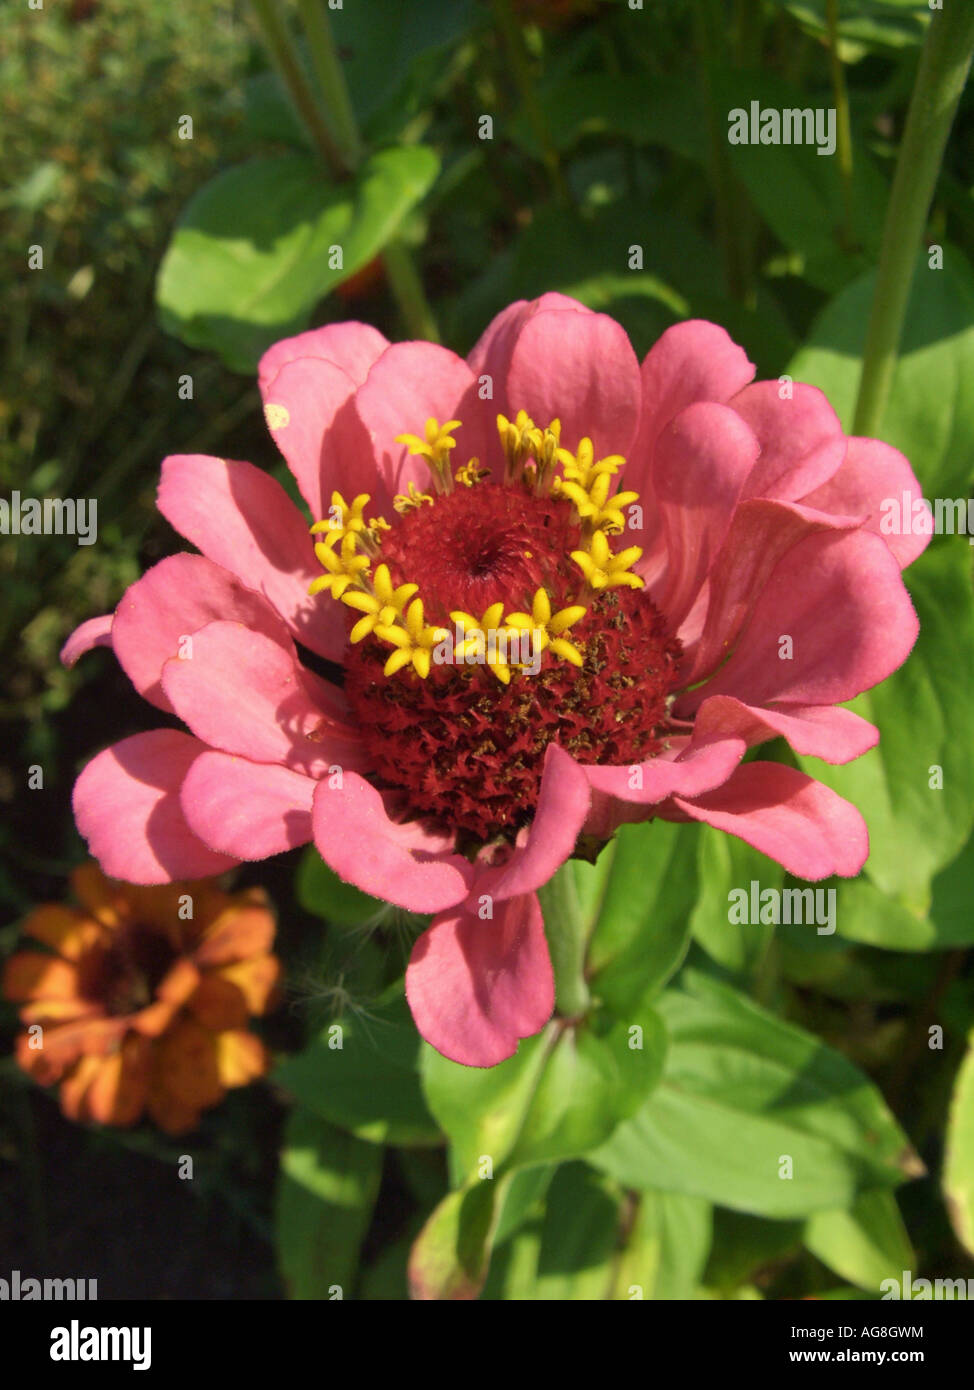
x=143, y=997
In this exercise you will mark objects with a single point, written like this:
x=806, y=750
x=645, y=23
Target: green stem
x=727, y=198
x=513, y=38
x=284, y=55
x=331, y=78
x=407, y=287
x=567, y=942
x=944, y=65
x=840, y=96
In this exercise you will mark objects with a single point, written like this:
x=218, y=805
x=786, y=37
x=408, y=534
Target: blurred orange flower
x=143, y=997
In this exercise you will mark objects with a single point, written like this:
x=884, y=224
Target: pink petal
x=351, y=346
x=549, y=840
x=703, y=458
x=171, y=601
x=840, y=599
x=477, y=987
x=783, y=813
x=244, y=693
x=310, y=413
x=579, y=368
x=356, y=837
x=761, y=533
x=871, y=474
x=492, y=351
x=250, y=810
x=691, y=361
x=409, y=383
x=802, y=443
x=828, y=732
x=126, y=804
x=242, y=519
x=96, y=632
x=705, y=761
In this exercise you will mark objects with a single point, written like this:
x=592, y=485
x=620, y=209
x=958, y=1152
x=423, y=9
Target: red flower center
x=466, y=748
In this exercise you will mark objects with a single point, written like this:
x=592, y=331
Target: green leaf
x=798, y=191
x=321, y=892
x=667, y=1247
x=562, y=1093
x=253, y=252
x=725, y=864
x=865, y=1244
x=643, y=928
x=959, y=1156
x=450, y=1257
x=866, y=23
x=926, y=719
x=327, y=1185
x=742, y=1095
x=930, y=415
x=363, y=1077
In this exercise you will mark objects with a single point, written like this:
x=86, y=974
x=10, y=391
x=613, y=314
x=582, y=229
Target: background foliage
x=165, y=257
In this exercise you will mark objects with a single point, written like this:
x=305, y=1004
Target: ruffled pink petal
x=541, y=849
x=783, y=813
x=126, y=804
x=705, y=761
x=579, y=368
x=477, y=987
x=874, y=473
x=841, y=601
x=96, y=632
x=703, y=458
x=409, y=383
x=242, y=519
x=244, y=693
x=491, y=354
x=171, y=601
x=802, y=443
x=352, y=346
x=691, y=361
x=828, y=732
x=250, y=810
x=356, y=837
x=309, y=409
x=761, y=533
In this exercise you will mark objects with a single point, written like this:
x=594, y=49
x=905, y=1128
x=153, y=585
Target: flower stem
x=567, y=941
x=331, y=78
x=513, y=38
x=407, y=289
x=280, y=44
x=944, y=65
x=840, y=96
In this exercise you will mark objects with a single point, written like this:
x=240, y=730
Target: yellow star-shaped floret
x=382, y=608
x=595, y=506
x=582, y=467
x=343, y=568
x=605, y=570
x=547, y=627
x=488, y=634
x=344, y=517
x=413, y=641
x=435, y=447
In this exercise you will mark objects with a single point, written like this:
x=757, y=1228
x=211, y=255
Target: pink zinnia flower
x=660, y=612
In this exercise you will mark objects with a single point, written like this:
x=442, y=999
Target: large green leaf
x=369, y=1084
x=926, y=719
x=254, y=251
x=866, y=24
x=643, y=922
x=865, y=1244
x=666, y=1248
x=959, y=1157
x=930, y=415
x=327, y=1186
x=725, y=864
x=450, y=1256
x=560, y=1095
x=746, y=1098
